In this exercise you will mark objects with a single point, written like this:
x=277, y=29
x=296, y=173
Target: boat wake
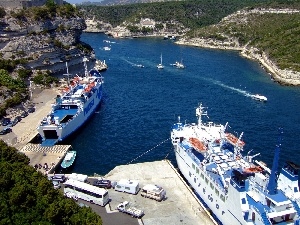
x=133, y=64
x=240, y=91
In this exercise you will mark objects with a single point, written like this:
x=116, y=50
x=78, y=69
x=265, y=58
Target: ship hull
x=203, y=189
x=61, y=133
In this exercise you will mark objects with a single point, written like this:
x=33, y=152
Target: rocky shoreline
x=283, y=77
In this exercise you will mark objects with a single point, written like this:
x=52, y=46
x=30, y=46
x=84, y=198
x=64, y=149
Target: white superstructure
x=237, y=190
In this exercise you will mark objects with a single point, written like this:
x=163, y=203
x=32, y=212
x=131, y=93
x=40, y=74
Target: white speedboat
x=259, y=97
x=179, y=65
x=69, y=159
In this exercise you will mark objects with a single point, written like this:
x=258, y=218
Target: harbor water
x=141, y=104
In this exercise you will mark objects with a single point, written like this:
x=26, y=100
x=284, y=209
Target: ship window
x=222, y=198
x=295, y=189
x=190, y=174
x=217, y=191
x=193, y=166
x=206, y=180
x=243, y=201
x=197, y=170
x=211, y=185
x=202, y=175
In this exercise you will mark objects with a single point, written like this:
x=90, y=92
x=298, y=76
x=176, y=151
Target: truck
x=125, y=207
x=153, y=191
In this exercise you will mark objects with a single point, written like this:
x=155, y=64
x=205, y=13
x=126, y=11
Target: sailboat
x=160, y=65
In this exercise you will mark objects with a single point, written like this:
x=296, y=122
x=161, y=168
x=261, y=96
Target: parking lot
x=180, y=207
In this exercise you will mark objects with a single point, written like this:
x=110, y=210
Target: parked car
x=16, y=120
x=59, y=177
x=31, y=110
x=19, y=118
x=56, y=184
x=5, y=121
x=6, y=130
x=24, y=114
x=102, y=183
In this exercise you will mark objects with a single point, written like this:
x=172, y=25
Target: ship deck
x=63, y=113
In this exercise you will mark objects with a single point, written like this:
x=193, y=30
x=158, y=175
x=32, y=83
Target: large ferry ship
x=236, y=188
x=73, y=108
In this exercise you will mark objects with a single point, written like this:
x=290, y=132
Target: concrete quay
x=24, y=131
x=50, y=156
x=180, y=207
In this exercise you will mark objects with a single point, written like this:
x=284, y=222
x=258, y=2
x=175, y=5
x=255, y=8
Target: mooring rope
x=149, y=150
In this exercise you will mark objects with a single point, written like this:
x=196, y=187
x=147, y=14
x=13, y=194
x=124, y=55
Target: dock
x=50, y=156
x=181, y=206
x=25, y=131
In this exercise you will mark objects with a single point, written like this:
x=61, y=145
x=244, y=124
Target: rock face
x=46, y=44
x=284, y=77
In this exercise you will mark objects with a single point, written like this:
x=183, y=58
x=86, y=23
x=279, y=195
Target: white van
x=79, y=177
x=154, y=192
x=129, y=186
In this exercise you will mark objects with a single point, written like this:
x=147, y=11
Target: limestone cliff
x=46, y=44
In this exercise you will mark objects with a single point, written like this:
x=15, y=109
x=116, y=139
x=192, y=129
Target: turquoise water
x=141, y=104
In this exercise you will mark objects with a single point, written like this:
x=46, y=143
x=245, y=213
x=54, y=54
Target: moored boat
x=73, y=107
x=100, y=65
x=68, y=159
x=237, y=189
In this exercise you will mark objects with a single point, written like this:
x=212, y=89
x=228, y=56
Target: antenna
x=67, y=74
x=85, y=66
x=272, y=185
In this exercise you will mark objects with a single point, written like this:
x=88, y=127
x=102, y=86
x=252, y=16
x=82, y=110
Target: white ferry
x=237, y=189
x=73, y=108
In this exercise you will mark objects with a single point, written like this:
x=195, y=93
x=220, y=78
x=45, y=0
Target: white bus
x=85, y=191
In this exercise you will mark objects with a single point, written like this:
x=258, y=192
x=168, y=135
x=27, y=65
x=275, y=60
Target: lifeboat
x=254, y=169
x=88, y=89
x=234, y=140
x=66, y=89
x=198, y=145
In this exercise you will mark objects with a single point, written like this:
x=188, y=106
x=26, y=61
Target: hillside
x=191, y=14
x=269, y=35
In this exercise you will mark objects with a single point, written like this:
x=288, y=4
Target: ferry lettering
x=87, y=109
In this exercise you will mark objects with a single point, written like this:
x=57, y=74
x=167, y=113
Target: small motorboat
x=106, y=48
x=69, y=159
x=259, y=97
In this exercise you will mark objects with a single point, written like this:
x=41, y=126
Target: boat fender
x=217, y=206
